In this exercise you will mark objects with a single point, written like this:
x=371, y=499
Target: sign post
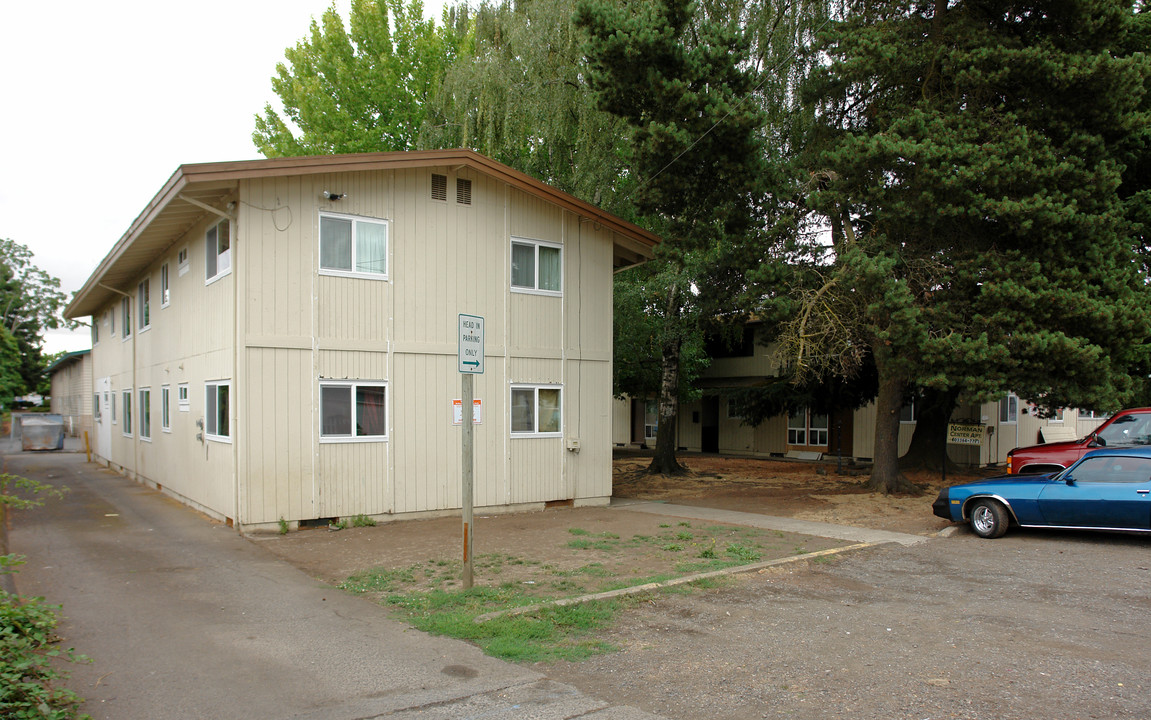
x=961, y=433
x=471, y=363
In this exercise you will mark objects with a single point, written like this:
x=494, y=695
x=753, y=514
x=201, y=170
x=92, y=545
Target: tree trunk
x=664, y=462
x=929, y=441
x=885, y=474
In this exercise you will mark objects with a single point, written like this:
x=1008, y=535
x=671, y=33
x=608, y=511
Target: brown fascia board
x=227, y=173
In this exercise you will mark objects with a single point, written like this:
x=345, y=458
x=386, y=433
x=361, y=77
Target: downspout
x=235, y=402
x=135, y=435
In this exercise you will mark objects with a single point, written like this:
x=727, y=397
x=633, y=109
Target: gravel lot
x=1034, y=625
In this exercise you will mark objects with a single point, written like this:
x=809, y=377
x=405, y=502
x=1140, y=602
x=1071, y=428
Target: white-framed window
x=95, y=331
x=907, y=412
x=733, y=410
x=1093, y=414
x=807, y=428
x=650, y=420
x=1056, y=416
x=353, y=246
x=217, y=403
x=1009, y=410
x=217, y=251
x=113, y=406
x=165, y=286
x=145, y=413
x=353, y=411
x=182, y=401
x=96, y=407
x=126, y=316
x=536, y=410
x=112, y=322
x=182, y=263
x=166, y=408
x=126, y=395
x=143, y=303
x=537, y=267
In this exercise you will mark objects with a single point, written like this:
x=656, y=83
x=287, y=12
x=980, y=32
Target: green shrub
x=28, y=678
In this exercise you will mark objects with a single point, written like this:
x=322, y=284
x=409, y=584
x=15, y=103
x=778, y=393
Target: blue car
x=1107, y=489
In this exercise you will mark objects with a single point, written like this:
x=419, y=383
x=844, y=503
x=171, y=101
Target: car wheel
x=989, y=519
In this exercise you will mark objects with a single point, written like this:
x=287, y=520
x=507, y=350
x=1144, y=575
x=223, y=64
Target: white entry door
x=104, y=424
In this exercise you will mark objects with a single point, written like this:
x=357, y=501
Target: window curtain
x=371, y=248
x=370, y=417
x=550, y=269
x=549, y=410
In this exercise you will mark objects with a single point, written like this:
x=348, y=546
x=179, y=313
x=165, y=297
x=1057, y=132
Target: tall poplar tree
x=681, y=80
x=360, y=88
x=970, y=159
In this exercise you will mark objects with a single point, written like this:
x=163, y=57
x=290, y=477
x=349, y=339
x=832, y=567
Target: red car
x=1128, y=428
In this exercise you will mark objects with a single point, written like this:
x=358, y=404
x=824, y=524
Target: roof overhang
x=66, y=359
x=181, y=203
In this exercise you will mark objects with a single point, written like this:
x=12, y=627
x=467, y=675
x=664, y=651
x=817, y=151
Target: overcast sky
x=103, y=101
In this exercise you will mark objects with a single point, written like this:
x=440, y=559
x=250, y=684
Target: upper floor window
x=353, y=246
x=218, y=250
x=143, y=302
x=126, y=312
x=165, y=286
x=182, y=262
x=165, y=408
x=95, y=329
x=353, y=411
x=537, y=267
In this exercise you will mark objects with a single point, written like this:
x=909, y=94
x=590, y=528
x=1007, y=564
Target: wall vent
x=439, y=187
x=463, y=191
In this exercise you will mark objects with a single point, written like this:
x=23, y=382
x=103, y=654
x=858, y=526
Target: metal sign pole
x=466, y=393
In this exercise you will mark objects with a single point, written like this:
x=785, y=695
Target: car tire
x=989, y=519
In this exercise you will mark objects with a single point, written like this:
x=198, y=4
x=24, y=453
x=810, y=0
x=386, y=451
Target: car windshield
x=1127, y=431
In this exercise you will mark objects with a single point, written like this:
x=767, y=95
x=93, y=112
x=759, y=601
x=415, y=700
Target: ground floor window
x=146, y=413
x=1009, y=409
x=217, y=403
x=127, y=397
x=807, y=428
x=166, y=408
x=354, y=410
x=650, y=420
x=536, y=410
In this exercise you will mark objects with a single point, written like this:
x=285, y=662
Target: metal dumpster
x=42, y=433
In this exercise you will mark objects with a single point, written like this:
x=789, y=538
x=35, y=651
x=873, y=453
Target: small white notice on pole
x=458, y=412
x=471, y=344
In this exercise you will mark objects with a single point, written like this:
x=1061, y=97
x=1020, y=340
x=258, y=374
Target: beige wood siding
x=188, y=341
x=443, y=259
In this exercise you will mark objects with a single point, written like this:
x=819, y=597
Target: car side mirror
x=1096, y=441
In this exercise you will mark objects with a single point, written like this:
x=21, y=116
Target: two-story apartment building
x=277, y=339
x=713, y=423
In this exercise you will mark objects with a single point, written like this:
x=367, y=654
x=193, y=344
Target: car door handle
x=1143, y=492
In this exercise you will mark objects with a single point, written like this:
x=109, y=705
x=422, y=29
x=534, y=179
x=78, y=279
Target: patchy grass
x=429, y=594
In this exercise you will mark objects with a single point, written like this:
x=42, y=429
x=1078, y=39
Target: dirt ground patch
x=802, y=490
x=533, y=547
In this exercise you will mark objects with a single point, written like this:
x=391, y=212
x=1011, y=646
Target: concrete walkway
x=184, y=618
x=769, y=522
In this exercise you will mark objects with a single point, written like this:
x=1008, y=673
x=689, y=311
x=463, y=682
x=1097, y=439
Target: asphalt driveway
x=183, y=618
